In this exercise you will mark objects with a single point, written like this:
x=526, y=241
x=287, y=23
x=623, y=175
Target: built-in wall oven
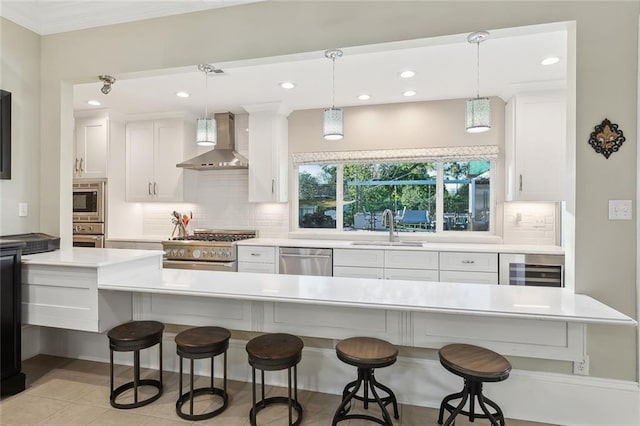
x=542, y=270
x=89, y=212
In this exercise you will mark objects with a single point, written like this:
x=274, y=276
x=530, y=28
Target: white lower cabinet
x=410, y=274
x=358, y=272
x=260, y=259
x=469, y=277
x=386, y=264
x=460, y=267
x=416, y=265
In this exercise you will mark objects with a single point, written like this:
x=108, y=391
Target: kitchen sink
x=388, y=243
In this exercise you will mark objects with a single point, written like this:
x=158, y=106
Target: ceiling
x=445, y=67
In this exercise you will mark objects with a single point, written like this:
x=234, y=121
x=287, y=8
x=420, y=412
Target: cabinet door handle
x=155, y=188
x=468, y=261
x=76, y=166
x=149, y=189
x=81, y=166
x=273, y=186
x=520, y=182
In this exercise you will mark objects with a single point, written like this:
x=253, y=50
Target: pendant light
x=478, y=116
x=206, y=127
x=333, y=119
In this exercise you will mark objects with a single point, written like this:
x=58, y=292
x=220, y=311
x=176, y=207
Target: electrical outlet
x=23, y=209
x=581, y=367
x=620, y=209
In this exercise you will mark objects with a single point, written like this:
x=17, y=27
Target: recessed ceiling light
x=182, y=94
x=364, y=97
x=287, y=85
x=407, y=74
x=94, y=103
x=409, y=93
x=550, y=60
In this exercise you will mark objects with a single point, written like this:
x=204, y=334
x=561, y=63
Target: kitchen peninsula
x=541, y=323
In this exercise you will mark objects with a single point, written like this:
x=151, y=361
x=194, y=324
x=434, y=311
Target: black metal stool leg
x=111, y=373
x=289, y=396
x=191, y=388
x=458, y=409
x=473, y=386
x=391, y=397
x=253, y=397
x=160, y=365
x=212, y=372
x=136, y=375
x=493, y=417
x=385, y=413
x=341, y=411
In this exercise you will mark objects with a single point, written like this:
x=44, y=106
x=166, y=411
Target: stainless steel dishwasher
x=306, y=261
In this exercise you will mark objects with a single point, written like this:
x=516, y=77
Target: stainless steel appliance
x=34, y=242
x=306, y=261
x=89, y=200
x=206, y=249
x=544, y=270
x=89, y=212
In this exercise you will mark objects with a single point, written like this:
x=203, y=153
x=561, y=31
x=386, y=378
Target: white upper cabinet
x=268, y=148
x=535, y=146
x=92, y=137
x=153, y=148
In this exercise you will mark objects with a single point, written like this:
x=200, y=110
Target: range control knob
x=196, y=253
x=181, y=252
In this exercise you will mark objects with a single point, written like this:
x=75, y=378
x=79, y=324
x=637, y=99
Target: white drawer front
x=482, y=262
x=411, y=259
x=357, y=272
x=469, y=277
x=366, y=258
x=265, y=268
x=258, y=254
x=411, y=274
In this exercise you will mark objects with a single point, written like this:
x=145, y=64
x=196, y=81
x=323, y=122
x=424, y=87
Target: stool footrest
x=260, y=405
x=130, y=385
x=185, y=397
x=366, y=376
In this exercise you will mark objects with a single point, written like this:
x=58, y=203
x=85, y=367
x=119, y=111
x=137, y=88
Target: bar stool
x=135, y=336
x=475, y=365
x=198, y=343
x=367, y=354
x=272, y=352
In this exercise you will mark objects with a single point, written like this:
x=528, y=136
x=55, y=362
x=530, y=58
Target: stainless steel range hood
x=224, y=155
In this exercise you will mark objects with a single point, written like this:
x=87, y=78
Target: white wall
x=20, y=75
x=606, y=86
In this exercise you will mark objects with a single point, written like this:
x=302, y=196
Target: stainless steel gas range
x=206, y=249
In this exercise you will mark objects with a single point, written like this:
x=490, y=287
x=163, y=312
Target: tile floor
x=62, y=391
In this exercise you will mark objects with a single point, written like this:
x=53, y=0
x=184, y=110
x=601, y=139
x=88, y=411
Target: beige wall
x=20, y=75
x=606, y=68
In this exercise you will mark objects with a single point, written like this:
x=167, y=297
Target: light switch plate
x=620, y=209
x=23, y=209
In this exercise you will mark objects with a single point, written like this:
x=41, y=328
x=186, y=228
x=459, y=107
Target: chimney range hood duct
x=224, y=156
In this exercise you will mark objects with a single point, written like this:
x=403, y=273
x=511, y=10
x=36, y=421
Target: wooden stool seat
x=203, y=340
x=198, y=343
x=367, y=354
x=275, y=351
x=474, y=361
x=134, y=336
x=475, y=365
x=271, y=352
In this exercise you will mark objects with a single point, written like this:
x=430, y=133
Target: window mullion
x=439, y=197
x=339, y=197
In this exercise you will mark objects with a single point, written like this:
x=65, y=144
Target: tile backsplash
x=220, y=203
x=531, y=223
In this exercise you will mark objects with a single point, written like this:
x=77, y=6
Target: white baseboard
x=559, y=399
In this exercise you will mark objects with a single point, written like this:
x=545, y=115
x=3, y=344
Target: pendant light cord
x=206, y=91
x=333, y=83
x=478, y=71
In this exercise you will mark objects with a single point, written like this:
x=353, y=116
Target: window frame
x=439, y=218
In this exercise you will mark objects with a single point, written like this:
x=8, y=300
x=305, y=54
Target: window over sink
x=424, y=196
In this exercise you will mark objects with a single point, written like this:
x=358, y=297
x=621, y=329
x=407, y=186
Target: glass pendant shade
x=206, y=132
x=478, y=116
x=333, y=124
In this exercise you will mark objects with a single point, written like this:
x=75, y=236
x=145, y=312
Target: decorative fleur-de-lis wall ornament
x=606, y=138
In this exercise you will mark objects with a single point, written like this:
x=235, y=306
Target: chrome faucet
x=387, y=217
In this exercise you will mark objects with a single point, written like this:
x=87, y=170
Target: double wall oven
x=206, y=249
x=89, y=212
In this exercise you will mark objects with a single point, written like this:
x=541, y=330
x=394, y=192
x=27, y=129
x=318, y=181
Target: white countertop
x=459, y=247
x=451, y=298
x=88, y=257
